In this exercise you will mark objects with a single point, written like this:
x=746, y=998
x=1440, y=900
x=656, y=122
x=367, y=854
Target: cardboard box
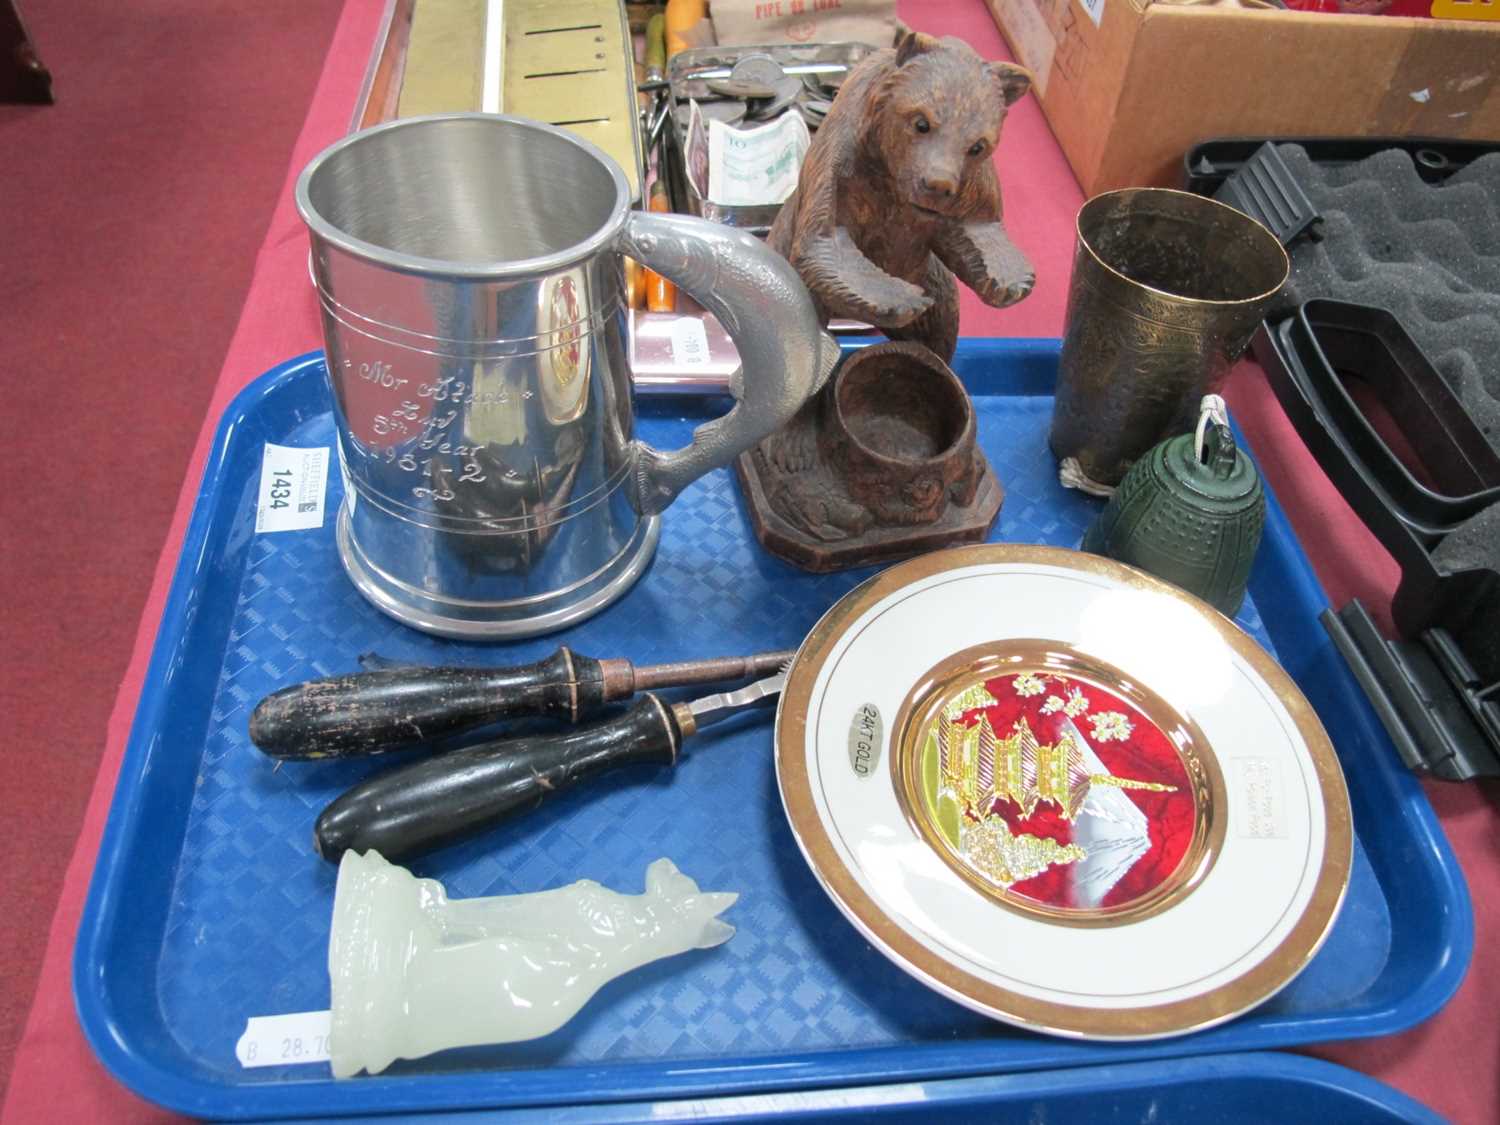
x=1130, y=85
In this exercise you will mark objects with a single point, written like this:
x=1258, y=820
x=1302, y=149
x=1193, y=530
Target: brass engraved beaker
x=1167, y=290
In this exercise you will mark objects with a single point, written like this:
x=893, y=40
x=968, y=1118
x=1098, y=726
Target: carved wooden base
x=880, y=465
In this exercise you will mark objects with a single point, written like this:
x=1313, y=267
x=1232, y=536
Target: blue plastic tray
x=1259, y=1086
x=209, y=906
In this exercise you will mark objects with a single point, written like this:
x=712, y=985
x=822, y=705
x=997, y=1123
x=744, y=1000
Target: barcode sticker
x=689, y=342
x=297, y=1037
x=293, y=483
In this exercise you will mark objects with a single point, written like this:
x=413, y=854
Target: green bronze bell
x=1190, y=511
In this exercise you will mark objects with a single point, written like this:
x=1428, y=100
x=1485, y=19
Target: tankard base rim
x=498, y=620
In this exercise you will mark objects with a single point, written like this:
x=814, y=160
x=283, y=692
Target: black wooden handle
x=370, y=712
x=440, y=800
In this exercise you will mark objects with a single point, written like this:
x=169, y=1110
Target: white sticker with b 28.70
x=293, y=483
x=689, y=341
x=297, y=1037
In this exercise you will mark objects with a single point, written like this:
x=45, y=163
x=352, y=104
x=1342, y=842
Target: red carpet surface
x=130, y=217
x=149, y=202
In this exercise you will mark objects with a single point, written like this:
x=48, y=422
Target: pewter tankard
x=469, y=268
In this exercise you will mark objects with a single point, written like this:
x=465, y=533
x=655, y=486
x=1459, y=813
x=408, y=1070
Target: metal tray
x=687, y=75
x=208, y=906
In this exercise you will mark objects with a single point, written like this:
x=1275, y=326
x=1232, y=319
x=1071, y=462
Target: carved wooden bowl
x=899, y=430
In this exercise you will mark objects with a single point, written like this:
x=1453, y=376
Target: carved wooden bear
x=898, y=189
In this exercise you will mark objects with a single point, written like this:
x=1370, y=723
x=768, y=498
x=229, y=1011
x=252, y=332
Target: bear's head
x=936, y=120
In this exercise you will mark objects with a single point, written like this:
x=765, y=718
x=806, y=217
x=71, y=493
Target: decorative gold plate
x=1062, y=792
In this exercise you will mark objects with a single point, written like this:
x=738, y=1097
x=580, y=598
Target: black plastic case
x=1442, y=712
x=1208, y=164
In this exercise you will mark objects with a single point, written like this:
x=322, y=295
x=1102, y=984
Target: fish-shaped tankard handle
x=765, y=308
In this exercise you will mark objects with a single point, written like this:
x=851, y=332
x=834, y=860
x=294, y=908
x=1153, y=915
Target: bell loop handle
x=1213, y=440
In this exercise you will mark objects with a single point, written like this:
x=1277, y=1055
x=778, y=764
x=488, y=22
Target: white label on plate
x=1260, y=809
x=297, y=1037
x=689, y=342
x=804, y=1102
x=293, y=483
x=866, y=732
x=1094, y=8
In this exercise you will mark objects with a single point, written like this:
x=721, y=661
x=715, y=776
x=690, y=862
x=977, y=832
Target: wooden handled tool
x=371, y=712
x=661, y=294
x=443, y=799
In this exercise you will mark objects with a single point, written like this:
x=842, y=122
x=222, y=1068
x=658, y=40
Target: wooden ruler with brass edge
x=569, y=63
